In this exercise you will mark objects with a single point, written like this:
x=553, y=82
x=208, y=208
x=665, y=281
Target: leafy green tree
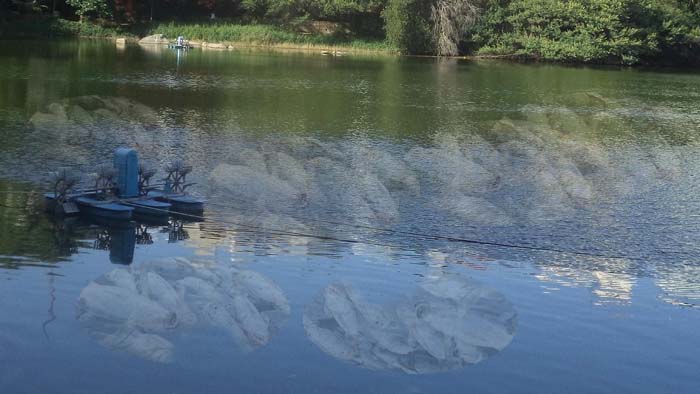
x=256, y=8
x=29, y=6
x=572, y=31
x=331, y=10
x=591, y=31
x=675, y=25
x=407, y=25
x=88, y=8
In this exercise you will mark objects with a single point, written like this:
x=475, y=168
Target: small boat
x=183, y=47
x=180, y=43
x=103, y=208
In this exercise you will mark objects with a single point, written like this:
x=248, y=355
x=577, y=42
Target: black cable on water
x=261, y=229
x=456, y=239
x=420, y=235
x=380, y=229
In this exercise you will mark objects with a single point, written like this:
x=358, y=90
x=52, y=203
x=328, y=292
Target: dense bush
x=407, y=26
x=594, y=31
x=336, y=10
x=675, y=26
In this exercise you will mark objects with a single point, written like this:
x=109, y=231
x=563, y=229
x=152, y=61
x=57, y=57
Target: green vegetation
x=593, y=31
x=27, y=231
x=582, y=31
x=253, y=35
x=54, y=27
x=407, y=26
x=266, y=35
x=98, y=8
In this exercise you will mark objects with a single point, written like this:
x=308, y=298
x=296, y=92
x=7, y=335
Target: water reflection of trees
x=29, y=235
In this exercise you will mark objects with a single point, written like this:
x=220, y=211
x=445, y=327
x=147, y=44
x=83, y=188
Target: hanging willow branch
x=450, y=18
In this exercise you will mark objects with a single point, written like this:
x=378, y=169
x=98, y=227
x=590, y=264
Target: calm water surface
x=374, y=225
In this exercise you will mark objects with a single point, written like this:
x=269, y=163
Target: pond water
x=374, y=224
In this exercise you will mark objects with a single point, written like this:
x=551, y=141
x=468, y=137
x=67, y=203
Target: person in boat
x=180, y=41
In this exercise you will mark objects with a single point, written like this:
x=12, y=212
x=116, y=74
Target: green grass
x=267, y=35
x=229, y=33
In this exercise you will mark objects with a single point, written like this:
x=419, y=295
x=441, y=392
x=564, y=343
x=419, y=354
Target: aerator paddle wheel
x=105, y=181
x=177, y=173
x=63, y=183
x=145, y=175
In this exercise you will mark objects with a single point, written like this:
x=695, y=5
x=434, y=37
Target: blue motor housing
x=126, y=163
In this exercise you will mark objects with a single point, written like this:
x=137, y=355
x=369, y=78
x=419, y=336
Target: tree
x=407, y=25
x=428, y=26
x=450, y=18
x=29, y=6
x=83, y=8
x=590, y=31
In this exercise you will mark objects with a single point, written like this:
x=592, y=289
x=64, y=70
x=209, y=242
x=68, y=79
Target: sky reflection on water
x=599, y=315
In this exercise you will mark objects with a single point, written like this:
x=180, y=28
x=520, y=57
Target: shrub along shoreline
x=236, y=35
x=581, y=32
x=264, y=35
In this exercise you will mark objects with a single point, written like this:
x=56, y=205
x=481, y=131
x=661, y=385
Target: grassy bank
x=227, y=33
x=268, y=36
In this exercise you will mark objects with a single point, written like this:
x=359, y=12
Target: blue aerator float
x=124, y=189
